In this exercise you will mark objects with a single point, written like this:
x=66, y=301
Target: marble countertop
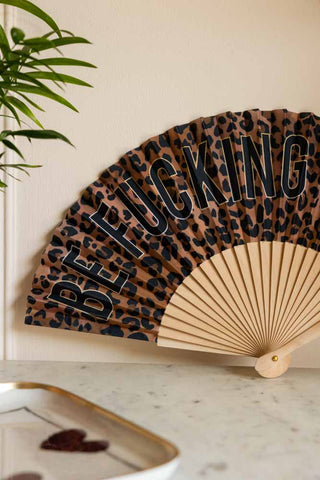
x=229, y=423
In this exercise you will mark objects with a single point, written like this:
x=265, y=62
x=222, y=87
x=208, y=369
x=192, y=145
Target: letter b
x=88, y=301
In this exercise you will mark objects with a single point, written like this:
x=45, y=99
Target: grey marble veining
x=228, y=423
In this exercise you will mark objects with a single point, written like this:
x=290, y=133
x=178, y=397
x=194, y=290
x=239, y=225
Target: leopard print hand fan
x=206, y=237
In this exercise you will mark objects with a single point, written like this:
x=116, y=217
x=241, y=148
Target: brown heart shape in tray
x=73, y=441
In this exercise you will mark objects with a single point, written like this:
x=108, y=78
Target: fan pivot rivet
x=275, y=358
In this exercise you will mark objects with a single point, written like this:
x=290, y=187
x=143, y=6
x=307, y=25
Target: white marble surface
x=228, y=423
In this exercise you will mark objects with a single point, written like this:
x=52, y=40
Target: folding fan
x=206, y=237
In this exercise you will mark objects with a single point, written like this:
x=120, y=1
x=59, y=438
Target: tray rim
x=173, y=451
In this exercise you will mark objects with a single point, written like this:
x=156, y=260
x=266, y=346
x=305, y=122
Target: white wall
x=161, y=63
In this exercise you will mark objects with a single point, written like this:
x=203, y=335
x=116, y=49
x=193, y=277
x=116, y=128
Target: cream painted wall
x=161, y=63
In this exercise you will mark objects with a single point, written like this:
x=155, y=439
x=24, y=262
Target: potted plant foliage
x=29, y=70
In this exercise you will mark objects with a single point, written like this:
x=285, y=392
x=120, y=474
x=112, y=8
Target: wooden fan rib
x=254, y=256
x=288, y=270
x=222, y=307
x=303, y=282
x=286, y=264
x=277, y=283
x=185, y=337
x=305, y=307
x=244, y=264
x=226, y=284
x=303, y=322
x=171, y=343
x=197, y=332
x=294, y=325
x=295, y=269
x=187, y=293
x=238, y=284
x=186, y=300
x=211, y=327
x=266, y=260
x=311, y=321
x=217, y=301
x=307, y=293
x=276, y=260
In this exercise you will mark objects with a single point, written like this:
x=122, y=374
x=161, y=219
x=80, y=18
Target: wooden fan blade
x=274, y=364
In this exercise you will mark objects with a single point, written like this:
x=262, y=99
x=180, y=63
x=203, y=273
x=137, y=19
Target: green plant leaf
x=17, y=35
x=60, y=42
x=55, y=43
x=23, y=72
x=40, y=134
x=13, y=60
x=9, y=74
x=12, y=146
x=61, y=61
x=24, y=109
x=19, y=166
x=22, y=87
x=4, y=44
x=47, y=35
x=28, y=56
x=23, y=165
x=38, y=42
x=35, y=105
x=34, y=10
x=12, y=110
x=58, y=77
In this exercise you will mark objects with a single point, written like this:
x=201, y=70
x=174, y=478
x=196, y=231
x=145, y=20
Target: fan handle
x=274, y=364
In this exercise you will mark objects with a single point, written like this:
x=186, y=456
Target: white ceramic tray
x=30, y=413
